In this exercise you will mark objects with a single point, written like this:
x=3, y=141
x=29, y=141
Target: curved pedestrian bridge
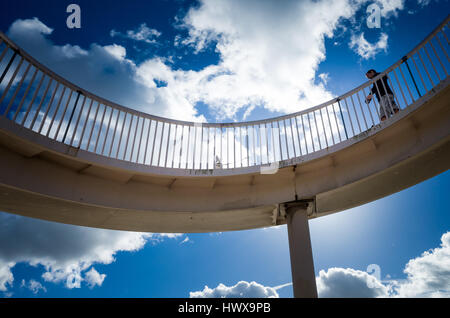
x=69, y=156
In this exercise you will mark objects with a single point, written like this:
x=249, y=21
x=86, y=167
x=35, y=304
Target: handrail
x=87, y=121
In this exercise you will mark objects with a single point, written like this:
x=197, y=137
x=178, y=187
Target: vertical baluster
x=174, y=145
x=167, y=145
x=323, y=125
x=134, y=138
x=78, y=120
x=48, y=108
x=8, y=66
x=4, y=53
x=181, y=145
x=437, y=56
x=114, y=130
x=214, y=148
x=240, y=146
x=146, y=140
x=431, y=62
x=93, y=126
x=406, y=83
x=100, y=129
x=140, y=140
x=425, y=68
x=85, y=123
x=161, y=144
x=342, y=116
x=201, y=147
x=247, y=137
x=193, y=150
x=331, y=126
x=121, y=134
x=267, y=141
x=279, y=140
x=107, y=130
x=25, y=95
x=286, y=140
x=400, y=86
x=310, y=133
x=11, y=80
x=273, y=142
x=442, y=47
x=356, y=113
x=317, y=129
x=187, y=146
x=40, y=104
x=304, y=134
x=350, y=119
x=298, y=136
x=362, y=112
x=71, y=116
x=420, y=75
x=17, y=90
x=234, y=147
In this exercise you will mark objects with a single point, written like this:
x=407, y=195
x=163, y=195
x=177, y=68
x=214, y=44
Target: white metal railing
x=36, y=98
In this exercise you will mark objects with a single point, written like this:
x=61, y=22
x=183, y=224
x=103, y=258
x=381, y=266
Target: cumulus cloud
x=34, y=286
x=368, y=50
x=66, y=252
x=93, y=278
x=347, y=282
x=143, y=34
x=242, y=289
x=103, y=70
x=269, y=55
x=427, y=276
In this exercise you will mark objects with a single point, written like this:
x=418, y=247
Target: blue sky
x=153, y=56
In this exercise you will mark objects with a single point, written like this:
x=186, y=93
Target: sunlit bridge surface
x=70, y=156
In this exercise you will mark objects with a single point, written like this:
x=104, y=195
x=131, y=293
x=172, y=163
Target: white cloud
x=34, y=286
x=103, y=70
x=427, y=276
x=94, y=278
x=242, y=289
x=66, y=252
x=268, y=54
x=365, y=49
x=186, y=240
x=143, y=34
x=119, y=52
x=6, y=276
x=347, y=282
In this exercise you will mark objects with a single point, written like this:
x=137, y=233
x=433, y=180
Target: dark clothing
x=379, y=84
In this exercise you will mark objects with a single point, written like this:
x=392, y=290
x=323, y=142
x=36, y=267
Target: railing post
x=405, y=60
x=71, y=116
x=8, y=66
x=342, y=117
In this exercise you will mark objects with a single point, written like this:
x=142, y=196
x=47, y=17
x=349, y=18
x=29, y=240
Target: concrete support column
x=302, y=264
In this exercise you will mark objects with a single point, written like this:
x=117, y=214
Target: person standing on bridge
x=384, y=95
